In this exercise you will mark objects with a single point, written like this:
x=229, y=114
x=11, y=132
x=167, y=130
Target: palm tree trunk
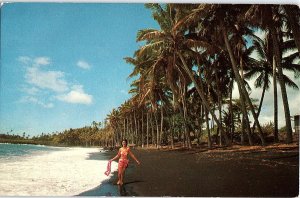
x=186, y=131
x=275, y=101
x=243, y=130
x=282, y=86
x=142, y=131
x=157, y=129
x=137, y=135
x=185, y=117
x=246, y=123
x=200, y=124
x=245, y=107
x=147, y=135
x=172, y=132
x=172, y=121
x=127, y=131
x=134, y=137
x=152, y=129
x=220, y=117
x=123, y=133
x=161, y=124
x=219, y=106
x=203, y=99
x=180, y=137
x=131, y=128
x=260, y=103
x=241, y=83
x=231, y=111
x=208, y=129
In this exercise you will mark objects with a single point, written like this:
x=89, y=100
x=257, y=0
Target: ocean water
x=33, y=170
x=10, y=151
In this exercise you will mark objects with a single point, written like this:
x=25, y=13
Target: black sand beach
x=255, y=172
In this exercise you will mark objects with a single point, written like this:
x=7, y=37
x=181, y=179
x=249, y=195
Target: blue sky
x=62, y=63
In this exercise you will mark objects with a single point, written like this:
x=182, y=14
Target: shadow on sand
x=122, y=188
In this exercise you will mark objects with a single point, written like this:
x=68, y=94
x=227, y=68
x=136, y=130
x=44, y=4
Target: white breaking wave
x=66, y=172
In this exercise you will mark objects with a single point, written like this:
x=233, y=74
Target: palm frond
x=289, y=82
x=251, y=74
x=291, y=67
x=149, y=34
x=259, y=49
x=288, y=46
x=291, y=58
x=150, y=48
x=136, y=71
x=130, y=60
x=193, y=17
x=191, y=43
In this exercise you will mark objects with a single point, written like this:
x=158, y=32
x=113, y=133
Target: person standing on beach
x=123, y=161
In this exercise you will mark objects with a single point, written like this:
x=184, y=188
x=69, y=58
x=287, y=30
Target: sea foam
x=65, y=172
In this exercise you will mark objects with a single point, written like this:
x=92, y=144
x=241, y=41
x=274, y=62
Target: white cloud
x=34, y=100
x=53, y=80
x=30, y=91
x=83, y=64
x=43, y=84
x=76, y=96
x=35, y=62
x=24, y=59
x=42, y=61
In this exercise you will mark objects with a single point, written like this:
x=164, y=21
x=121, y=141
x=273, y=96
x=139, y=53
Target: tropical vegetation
x=185, y=72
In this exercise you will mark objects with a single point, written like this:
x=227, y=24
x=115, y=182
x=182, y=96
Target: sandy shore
x=257, y=172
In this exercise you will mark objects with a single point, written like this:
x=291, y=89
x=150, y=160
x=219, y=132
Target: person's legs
x=119, y=173
x=122, y=176
x=121, y=170
x=119, y=176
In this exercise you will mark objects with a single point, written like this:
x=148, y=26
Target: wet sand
x=198, y=173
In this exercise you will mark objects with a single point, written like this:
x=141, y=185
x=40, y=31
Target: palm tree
x=268, y=17
x=263, y=68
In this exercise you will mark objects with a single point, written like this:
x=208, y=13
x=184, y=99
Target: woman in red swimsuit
x=123, y=161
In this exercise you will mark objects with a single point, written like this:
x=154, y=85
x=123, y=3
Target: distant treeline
x=85, y=136
x=17, y=139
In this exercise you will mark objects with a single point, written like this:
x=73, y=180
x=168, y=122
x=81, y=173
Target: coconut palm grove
x=184, y=73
